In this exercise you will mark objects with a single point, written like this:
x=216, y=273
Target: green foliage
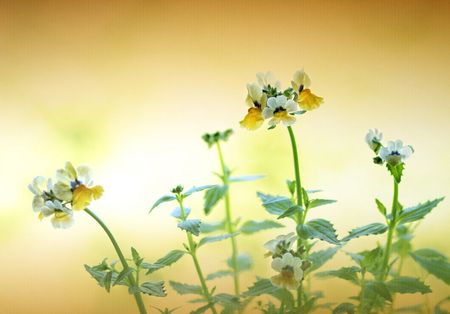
x=374, y=228
x=381, y=208
x=219, y=274
x=396, y=171
x=319, y=258
x=260, y=287
x=407, y=285
x=319, y=202
x=253, y=226
x=212, y=138
x=246, y=178
x=212, y=239
x=294, y=210
x=167, y=260
x=346, y=273
x=137, y=259
x=433, y=262
x=275, y=205
x=122, y=275
x=196, y=189
x=182, y=288
x=163, y=199
x=212, y=227
x=212, y=197
x=369, y=260
x=190, y=225
x=415, y=213
x=318, y=229
x=153, y=288
x=345, y=307
x=378, y=288
x=243, y=262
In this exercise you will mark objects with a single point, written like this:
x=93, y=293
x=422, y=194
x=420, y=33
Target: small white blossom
x=290, y=271
x=281, y=242
x=373, y=138
x=267, y=79
x=279, y=109
x=395, y=152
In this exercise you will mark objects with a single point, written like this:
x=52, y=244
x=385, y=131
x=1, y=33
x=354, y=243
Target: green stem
x=392, y=225
x=137, y=295
x=298, y=188
x=193, y=252
x=229, y=222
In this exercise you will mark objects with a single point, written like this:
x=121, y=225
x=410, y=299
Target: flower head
x=290, y=271
x=306, y=99
x=256, y=100
x=279, y=109
x=76, y=186
x=395, y=152
x=373, y=139
x=280, y=245
x=267, y=80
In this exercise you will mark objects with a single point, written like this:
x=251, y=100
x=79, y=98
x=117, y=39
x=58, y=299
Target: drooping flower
x=267, y=80
x=62, y=217
x=76, y=186
x=280, y=245
x=373, y=139
x=256, y=100
x=290, y=271
x=279, y=109
x=306, y=99
x=395, y=152
x=40, y=187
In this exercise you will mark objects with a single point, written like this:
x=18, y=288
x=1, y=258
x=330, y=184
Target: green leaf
x=226, y=300
x=318, y=229
x=153, y=288
x=374, y=228
x=212, y=239
x=98, y=275
x=202, y=309
x=196, y=189
x=319, y=258
x=163, y=199
x=275, y=205
x=433, y=262
x=320, y=202
x=178, y=214
x=243, y=261
x=418, y=308
x=346, y=273
x=381, y=208
x=182, y=288
x=137, y=259
x=167, y=260
x=418, y=212
x=294, y=210
x=246, y=178
x=261, y=286
x=212, y=227
x=212, y=196
x=219, y=274
x=253, y=226
x=396, y=171
x=107, y=281
x=407, y=285
x=190, y=225
x=122, y=275
x=378, y=288
x=291, y=186
x=344, y=308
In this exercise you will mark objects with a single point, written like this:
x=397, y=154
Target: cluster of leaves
x=212, y=138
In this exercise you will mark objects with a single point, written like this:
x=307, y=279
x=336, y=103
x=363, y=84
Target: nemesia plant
x=73, y=192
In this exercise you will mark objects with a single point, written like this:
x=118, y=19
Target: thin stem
x=298, y=188
x=137, y=295
x=193, y=252
x=392, y=225
x=229, y=221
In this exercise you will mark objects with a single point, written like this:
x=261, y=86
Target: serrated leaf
x=407, y=285
x=212, y=196
x=178, y=214
x=155, y=289
x=163, y=199
x=396, y=171
x=219, y=274
x=212, y=239
x=374, y=228
x=433, y=262
x=318, y=229
x=418, y=212
x=190, y=225
x=378, y=288
x=182, y=288
x=261, y=286
x=196, y=189
x=346, y=273
x=275, y=205
x=244, y=262
x=227, y=300
x=137, y=259
x=122, y=275
x=246, y=178
x=345, y=307
x=167, y=260
x=253, y=226
x=294, y=210
x=381, y=208
x=319, y=202
x=319, y=258
x=212, y=227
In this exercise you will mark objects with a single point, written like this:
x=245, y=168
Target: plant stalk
x=392, y=226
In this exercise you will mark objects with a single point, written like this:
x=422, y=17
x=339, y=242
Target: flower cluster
x=267, y=101
x=394, y=153
x=73, y=190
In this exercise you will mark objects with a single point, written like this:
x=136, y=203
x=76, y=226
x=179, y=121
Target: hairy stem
x=392, y=225
x=137, y=295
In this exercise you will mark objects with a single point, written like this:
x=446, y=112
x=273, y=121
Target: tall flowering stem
x=137, y=294
x=193, y=253
x=229, y=220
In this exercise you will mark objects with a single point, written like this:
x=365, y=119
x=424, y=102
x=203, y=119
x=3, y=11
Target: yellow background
x=130, y=86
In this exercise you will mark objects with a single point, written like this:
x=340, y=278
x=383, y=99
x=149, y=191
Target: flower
x=395, y=152
x=62, y=216
x=373, y=139
x=267, y=80
x=76, y=186
x=290, y=269
x=279, y=109
x=38, y=187
x=306, y=99
x=256, y=100
x=280, y=245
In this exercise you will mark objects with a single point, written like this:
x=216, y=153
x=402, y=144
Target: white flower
x=373, y=139
x=255, y=96
x=267, y=79
x=280, y=243
x=395, y=152
x=300, y=81
x=279, y=109
x=39, y=187
x=290, y=269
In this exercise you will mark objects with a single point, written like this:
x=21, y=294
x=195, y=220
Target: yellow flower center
x=280, y=114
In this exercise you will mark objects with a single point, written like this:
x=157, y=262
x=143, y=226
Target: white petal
x=384, y=152
x=62, y=223
x=277, y=264
x=63, y=176
x=38, y=185
x=272, y=103
x=273, y=121
x=84, y=174
x=289, y=120
x=291, y=106
x=406, y=151
x=63, y=191
x=281, y=101
x=298, y=273
x=301, y=78
x=37, y=203
x=267, y=113
x=288, y=259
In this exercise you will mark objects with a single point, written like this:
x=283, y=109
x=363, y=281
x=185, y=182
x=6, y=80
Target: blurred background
x=129, y=87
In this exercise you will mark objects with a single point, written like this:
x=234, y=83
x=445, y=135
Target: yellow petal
x=309, y=101
x=253, y=119
x=82, y=197
x=97, y=191
x=41, y=216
